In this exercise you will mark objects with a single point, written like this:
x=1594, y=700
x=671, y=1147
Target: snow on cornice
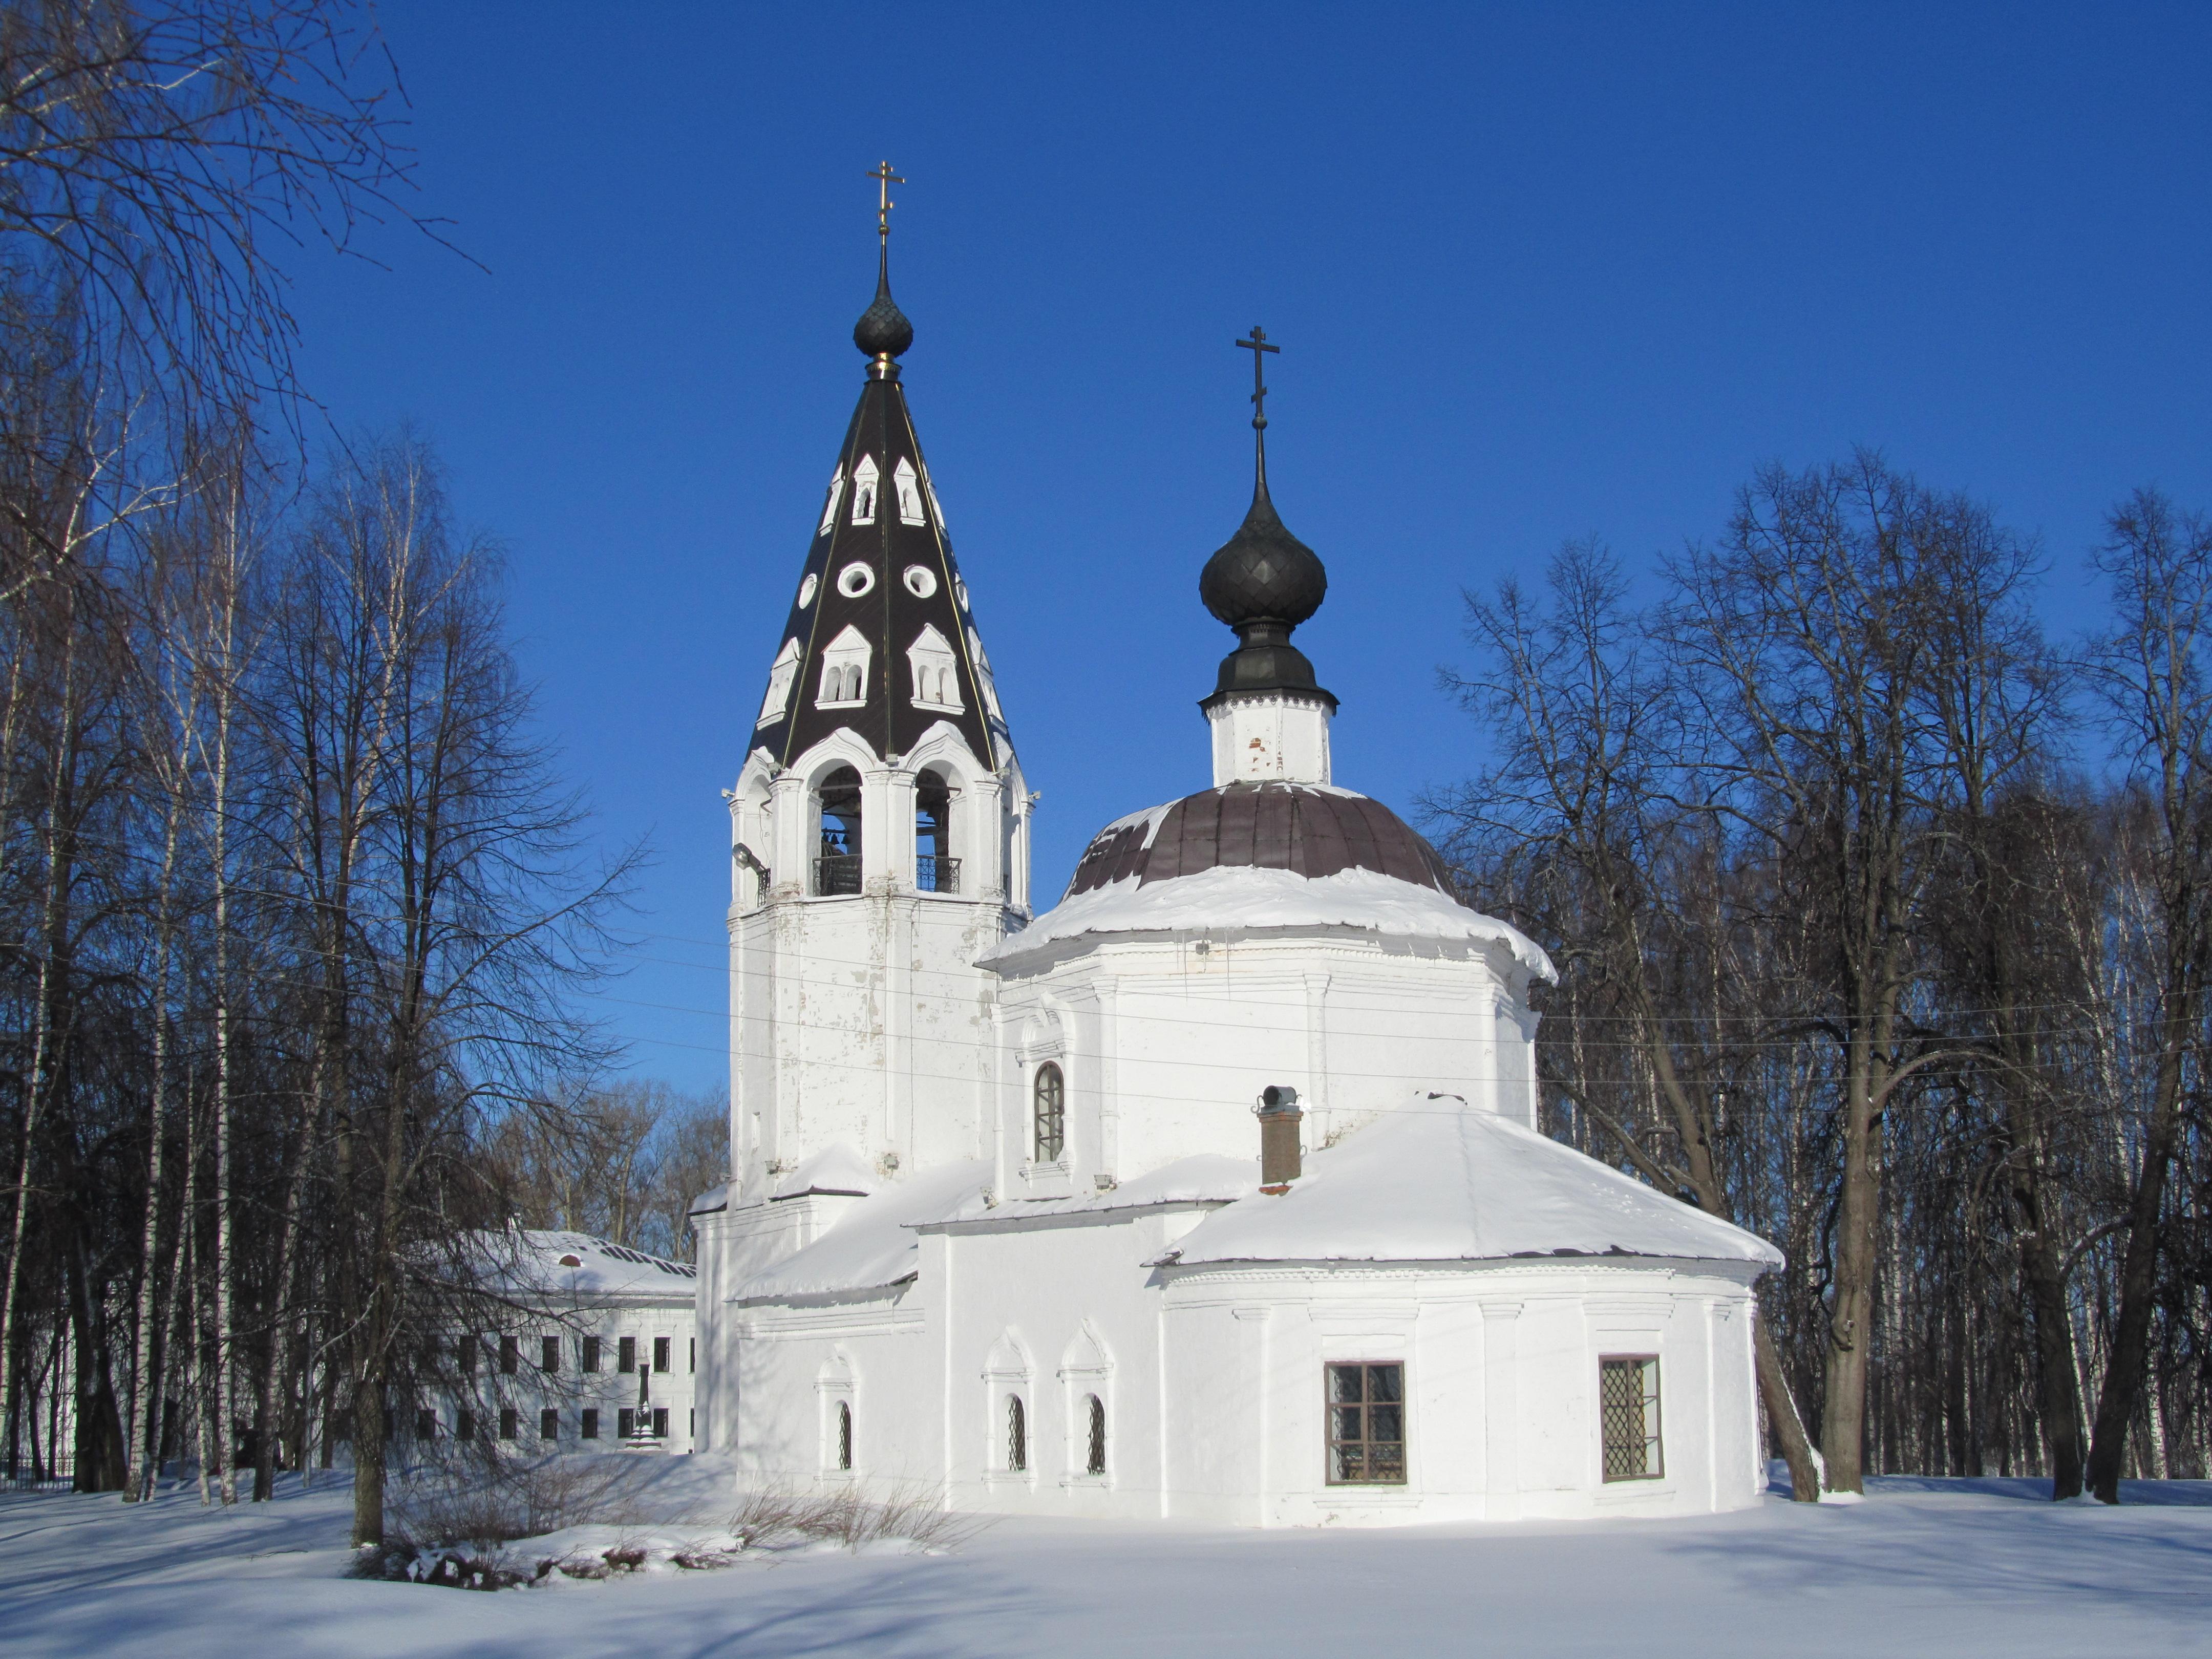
x=872, y=1246
x=1261, y=900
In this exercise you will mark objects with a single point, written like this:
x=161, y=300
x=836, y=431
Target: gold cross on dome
x=1257, y=344
x=884, y=178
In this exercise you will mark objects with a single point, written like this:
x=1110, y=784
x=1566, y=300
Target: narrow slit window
x=1095, y=1463
x=1018, y=1436
x=1049, y=1110
x=1628, y=1403
x=844, y=1435
x=1366, y=1410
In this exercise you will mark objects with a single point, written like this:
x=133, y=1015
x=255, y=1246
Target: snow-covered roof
x=836, y=1171
x=1203, y=1178
x=541, y=1263
x=872, y=1244
x=1247, y=896
x=1436, y=1181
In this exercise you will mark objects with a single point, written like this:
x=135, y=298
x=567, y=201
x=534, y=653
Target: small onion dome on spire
x=883, y=331
x=1263, y=581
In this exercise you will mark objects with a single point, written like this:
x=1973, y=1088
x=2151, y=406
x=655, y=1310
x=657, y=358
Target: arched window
x=1096, y=1462
x=844, y=1436
x=1018, y=1436
x=837, y=864
x=1049, y=1112
x=935, y=869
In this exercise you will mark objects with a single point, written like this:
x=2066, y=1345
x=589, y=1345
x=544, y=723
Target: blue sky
x=1538, y=272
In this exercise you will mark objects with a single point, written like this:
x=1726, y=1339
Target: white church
x=1212, y=1191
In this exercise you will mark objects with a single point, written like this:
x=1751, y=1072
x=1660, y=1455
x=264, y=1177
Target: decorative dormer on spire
x=1269, y=716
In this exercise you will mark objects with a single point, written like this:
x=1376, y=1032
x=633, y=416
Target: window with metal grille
x=1018, y=1436
x=1628, y=1403
x=660, y=1353
x=844, y=1436
x=549, y=1353
x=1367, y=1424
x=1096, y=1462
x=591, y=1353
x=626, y=1354
x=510, y=1357
x=507, y=1423
x=590, y=1428
x=1048, y=1096
x=549, y=1424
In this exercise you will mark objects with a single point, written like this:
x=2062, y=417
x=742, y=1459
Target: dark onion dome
x=1309, y=831
x=883, y=330
x=1263, y=573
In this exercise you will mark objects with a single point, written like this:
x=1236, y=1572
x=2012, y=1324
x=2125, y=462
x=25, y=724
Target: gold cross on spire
x=884, y=178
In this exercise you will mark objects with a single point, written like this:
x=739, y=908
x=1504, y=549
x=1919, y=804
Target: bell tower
x=878, y=829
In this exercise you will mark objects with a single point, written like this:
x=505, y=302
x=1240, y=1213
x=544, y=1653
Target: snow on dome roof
x=1441, y=1182
x=872, y=1244
x=1233, y=897
x=1264, y=855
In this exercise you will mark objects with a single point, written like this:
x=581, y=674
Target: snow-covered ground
x=1954, y=1568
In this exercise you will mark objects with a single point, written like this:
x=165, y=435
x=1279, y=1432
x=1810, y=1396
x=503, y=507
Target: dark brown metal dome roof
x=1265, y=826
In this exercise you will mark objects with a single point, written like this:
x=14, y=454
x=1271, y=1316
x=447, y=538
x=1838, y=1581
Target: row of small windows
x=1094, y=1440
x=906, y=484
x=590, y=1354
x=627, y=1423
x=933, y=664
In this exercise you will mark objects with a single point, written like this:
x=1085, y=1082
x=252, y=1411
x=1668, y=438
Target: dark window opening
x=660, y=1354
x=1049, y=1097
x=935, y=869
x=510, y=1355
x=626, y=1354
x=549, y=1353
x=590, y=1428
x=507, y=1423
x=626, y=1424
x=1096, y=1462
x=468, y=1356
x=844, y=1436
x=659, y=1423
x=426, y=1425
x=837, y=864
x=549, y=1424
x=591, y=1353
x=1628, y=1403
x=1367, y=1425
x=464, y=1426
x=694, y=1353
x=1018, y=1436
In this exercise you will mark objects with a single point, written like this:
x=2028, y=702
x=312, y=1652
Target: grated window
x=1050, y=1110
x=1628, y=1403
x=1366, y=1408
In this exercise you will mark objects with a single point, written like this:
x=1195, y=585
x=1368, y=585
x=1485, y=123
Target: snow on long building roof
x=1202, y=1178
x=872, y=1244
x=544, y=1262
x=1436, y=1181
x=1248, y=896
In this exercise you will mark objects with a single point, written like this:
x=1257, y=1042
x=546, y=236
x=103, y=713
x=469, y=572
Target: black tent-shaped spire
x=881, y=638
x=1263, y=581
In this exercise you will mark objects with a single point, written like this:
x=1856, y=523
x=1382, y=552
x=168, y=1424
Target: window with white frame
x=1366, y=1409
x=936, y=669
x=1049, y=1114
x=864, y=490
x=909, y=489
x=829, y=507
x=1628, y=1410
x=845, y=671
x=780, y=677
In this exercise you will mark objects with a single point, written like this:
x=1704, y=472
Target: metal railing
x=837, y=872
x=936, y=874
